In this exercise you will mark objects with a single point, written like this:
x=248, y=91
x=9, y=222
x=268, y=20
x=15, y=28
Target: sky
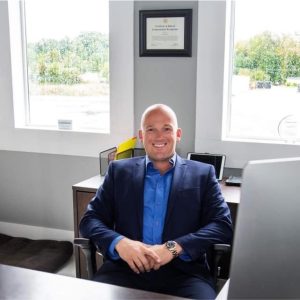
x=255, y=16
x=58, y=19
x=252, y=17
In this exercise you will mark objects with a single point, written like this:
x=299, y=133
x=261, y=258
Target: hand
x=165, y=255
x=139, y=256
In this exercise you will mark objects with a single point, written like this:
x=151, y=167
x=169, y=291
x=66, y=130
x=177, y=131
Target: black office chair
x=219, y=260
x=221, y=255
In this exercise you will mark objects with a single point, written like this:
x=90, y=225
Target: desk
x=223, y=294
x=232, y=197
x=22, y=284
x=84, y=191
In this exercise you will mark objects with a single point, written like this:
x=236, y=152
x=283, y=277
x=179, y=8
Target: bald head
x=159, y=108
x=159, y=134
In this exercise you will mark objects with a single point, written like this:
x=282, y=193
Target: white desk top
x=224, y=291
x=24, y=284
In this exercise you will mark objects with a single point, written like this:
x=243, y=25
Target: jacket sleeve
x=97, y=223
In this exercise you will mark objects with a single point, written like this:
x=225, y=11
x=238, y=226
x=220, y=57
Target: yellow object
x=129, y=144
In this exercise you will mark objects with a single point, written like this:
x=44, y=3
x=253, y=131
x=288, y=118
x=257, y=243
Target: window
x=264, y=72
x=66, y=64
x=18, y=136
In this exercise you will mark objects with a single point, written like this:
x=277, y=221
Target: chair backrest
x=106, y=156
x=265, y=258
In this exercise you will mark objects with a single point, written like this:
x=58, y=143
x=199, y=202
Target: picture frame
x=166, y=32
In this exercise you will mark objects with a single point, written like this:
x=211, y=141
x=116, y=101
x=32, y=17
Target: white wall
x=36, y=188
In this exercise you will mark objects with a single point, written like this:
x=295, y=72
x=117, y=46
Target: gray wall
x=36, y=189
x=168, y=80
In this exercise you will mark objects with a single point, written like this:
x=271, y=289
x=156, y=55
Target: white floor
x=69, y=268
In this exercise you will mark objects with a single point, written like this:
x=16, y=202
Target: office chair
x=106, y=156
x=219, y=260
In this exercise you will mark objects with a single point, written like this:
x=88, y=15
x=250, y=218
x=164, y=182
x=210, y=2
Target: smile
x=159, y=145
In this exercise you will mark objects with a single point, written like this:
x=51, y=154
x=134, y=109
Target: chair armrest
x=219, y=251
x=82, y=242
x=88, y=249
x=224, y=248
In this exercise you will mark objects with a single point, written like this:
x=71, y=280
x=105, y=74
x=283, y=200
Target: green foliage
x=268, y=57
x=63, y=61
x=259, y=75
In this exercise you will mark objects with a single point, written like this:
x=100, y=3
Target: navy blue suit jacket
x=197, y=215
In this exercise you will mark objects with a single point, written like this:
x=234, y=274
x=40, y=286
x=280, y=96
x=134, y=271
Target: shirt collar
x=172, y=160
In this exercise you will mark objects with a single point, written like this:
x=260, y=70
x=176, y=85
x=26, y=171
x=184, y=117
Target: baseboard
x=35, y=232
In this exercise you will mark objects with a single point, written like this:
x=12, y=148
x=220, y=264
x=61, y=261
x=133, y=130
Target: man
x=154, y=218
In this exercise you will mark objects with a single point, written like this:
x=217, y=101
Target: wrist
x=112, y=251
x=174, y=248
x=120, y=243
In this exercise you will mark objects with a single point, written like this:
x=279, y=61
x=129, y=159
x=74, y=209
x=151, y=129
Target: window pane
x=265, y=91
x=68, y=63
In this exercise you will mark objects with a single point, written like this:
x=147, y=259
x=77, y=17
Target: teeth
x=158, y=145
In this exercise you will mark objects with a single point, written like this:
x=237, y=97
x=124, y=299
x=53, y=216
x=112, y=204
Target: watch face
x=170, y=244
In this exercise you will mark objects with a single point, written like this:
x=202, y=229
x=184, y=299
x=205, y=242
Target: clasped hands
x=142, y=257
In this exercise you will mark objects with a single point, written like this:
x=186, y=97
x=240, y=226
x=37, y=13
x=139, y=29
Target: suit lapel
x=178, y=179
x=138, y=187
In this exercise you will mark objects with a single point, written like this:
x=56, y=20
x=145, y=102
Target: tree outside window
x=67, y=53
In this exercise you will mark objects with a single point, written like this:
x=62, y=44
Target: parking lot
x=258, y=112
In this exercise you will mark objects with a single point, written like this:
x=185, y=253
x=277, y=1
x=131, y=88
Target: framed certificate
x=166, y=32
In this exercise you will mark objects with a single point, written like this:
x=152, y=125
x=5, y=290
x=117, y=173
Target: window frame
x=58, y=141
x=227, y=86
x=211, y=101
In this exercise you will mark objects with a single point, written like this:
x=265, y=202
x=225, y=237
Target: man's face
x=159, y=135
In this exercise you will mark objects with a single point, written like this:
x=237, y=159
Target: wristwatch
x=171, y=246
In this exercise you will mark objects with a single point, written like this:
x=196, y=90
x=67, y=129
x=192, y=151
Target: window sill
x=56, y=129
x=260, y=141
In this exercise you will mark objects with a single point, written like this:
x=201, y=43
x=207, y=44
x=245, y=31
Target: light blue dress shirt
x=156, y=194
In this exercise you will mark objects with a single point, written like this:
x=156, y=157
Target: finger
x=147, y=262
x=133, y=267
x=151, y=262
x=139, y=263
x=153, y=255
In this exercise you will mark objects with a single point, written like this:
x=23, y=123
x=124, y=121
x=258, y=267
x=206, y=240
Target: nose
x=159, y=134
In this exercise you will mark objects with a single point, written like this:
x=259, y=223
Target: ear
x=178, y=134
x=141, y=134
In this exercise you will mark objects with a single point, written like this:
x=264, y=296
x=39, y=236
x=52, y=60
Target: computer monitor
x=217, y=160
x=265, y=258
